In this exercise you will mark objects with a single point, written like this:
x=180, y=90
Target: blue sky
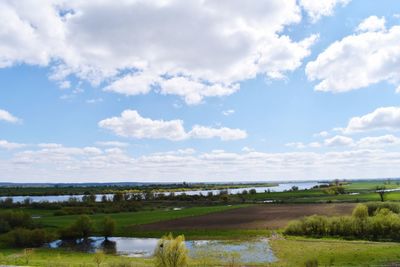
x=199, y=91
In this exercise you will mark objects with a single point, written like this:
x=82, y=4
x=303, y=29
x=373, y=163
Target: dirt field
x=253, y=217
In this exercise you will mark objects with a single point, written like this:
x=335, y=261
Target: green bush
x=384, y=224
x=171, y=252
x=17, y=219
x=82, y=228
x=21, y=237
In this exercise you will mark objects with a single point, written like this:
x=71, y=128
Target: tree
x=107, y=227
x=253, y=191
x=381, y=190
x=104, y=198
x=171, y=252
x=83, y=226
x=118, y=197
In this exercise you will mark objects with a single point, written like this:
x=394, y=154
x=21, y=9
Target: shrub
x=360, y=212
x=17, y=219
x=81, y=228
x=383, y=225
x=171, y=252
x=21, y=237
x=107, y=227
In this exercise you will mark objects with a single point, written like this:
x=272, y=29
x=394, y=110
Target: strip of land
x=268, y=216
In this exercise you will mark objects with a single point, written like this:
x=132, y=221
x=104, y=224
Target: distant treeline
x=127, y=202
x=56, y=190
x=370, y=221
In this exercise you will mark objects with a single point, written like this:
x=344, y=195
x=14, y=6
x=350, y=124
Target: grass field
x=289, y=252
x=296, y=252
x=62, y=258
x=129, y=219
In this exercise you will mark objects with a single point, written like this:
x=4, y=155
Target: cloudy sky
x=199, y=90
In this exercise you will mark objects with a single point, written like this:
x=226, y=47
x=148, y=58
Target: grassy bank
x=298, y=251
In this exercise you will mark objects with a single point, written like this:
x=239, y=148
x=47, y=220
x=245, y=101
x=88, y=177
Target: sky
x=199, y=90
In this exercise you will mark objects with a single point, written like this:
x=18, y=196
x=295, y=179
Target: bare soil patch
x=270, y=216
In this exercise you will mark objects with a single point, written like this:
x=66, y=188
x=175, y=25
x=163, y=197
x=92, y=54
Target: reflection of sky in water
x=247, y=251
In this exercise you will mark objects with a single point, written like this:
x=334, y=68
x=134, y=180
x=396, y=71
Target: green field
x=126, y=220
x=296, y=252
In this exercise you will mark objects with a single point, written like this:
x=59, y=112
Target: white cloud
x=132, y=124
x=193, y=92
x=247, y=149
x=112, y=144
x=372, y=24
x=228, y=112
x=8, y=117
x=83, y=164
x=134, y=46
x=317, y=9
x=94, y=100
x=224, y=133
x=297, y=145
x=338, y=140
x=133, y=84
x=321, y=134
x=382, y=118
x=378, y=141
x=4, y=144
x=49, y=145
x=358, y=61
x=314, y=144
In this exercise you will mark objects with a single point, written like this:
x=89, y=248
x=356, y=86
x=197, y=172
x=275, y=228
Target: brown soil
x=253, y=217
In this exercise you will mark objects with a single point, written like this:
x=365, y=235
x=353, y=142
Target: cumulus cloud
x=382, y=118
x=132, y=124
x=224, y=133
x=7, y=116
x=358, y=60
x=137, y=46
x=321, y=134
x=298, y=145
x=378, y=141
x=338, y=140
x=112, y=144
x=4, y=144
x=317, y=9
x=372, y=24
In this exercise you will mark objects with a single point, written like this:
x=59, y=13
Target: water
x=278, y=188
x=254, y=251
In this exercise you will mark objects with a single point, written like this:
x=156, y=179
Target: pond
x=252, y=251
x=278, y=188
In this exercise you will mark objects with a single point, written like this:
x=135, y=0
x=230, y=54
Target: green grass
x=129, y=219
x=62, y=258
x=296, y=251
x=370, y=185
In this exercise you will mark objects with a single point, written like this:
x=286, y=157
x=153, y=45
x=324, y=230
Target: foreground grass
x=61, y=258
x=127, y=220
x=297, y=251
